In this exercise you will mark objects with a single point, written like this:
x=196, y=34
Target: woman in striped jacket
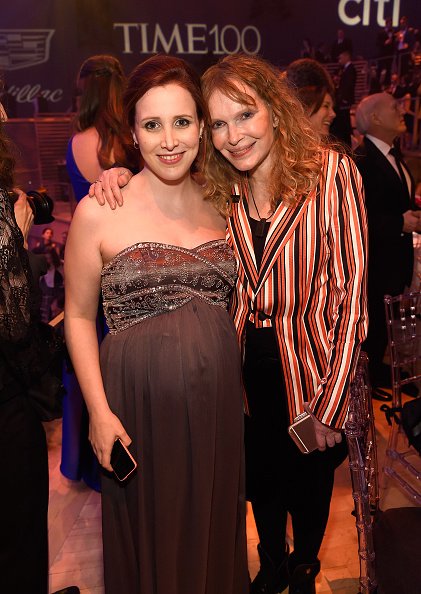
x=298, y=228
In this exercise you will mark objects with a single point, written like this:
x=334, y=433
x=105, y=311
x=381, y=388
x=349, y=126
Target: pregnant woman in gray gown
x=167, y=379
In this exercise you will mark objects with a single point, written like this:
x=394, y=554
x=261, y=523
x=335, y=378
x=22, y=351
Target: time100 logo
x=189, y=38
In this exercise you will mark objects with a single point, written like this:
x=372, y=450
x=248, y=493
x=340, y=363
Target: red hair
x=158, y=71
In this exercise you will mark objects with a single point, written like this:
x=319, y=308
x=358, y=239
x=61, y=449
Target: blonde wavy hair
x=296, y=147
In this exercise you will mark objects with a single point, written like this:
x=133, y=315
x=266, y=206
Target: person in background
x=344, y=99
x=315, y=90
x=416, y=56
x=341, y=44
x=298, y=229
x=23, y=447
x=386, y=49
x=404, y=41
x=46, y=242
x=101, y=139
x=52, y=287
x=62, y=247
x=322, y=53
x=375, y=84
x=392, y=218
x=395, y=88
x=307, y=49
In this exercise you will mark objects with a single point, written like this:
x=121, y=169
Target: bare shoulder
x=132, y=191
x=135, y=184
x=89, y=213
x=88, y=137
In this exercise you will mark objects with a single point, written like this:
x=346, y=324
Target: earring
x=200, y=137
x=135, y=144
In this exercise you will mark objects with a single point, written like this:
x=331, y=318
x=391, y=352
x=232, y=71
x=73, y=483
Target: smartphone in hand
x=122, y=462
x=303, y=433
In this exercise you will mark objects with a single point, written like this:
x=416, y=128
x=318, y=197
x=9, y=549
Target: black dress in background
x=23, y=447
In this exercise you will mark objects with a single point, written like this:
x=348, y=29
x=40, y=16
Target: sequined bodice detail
x=148, y=279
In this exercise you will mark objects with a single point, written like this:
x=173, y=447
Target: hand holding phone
x=303, y=433
x=122, y=462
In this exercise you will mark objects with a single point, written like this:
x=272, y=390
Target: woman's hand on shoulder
x=107, y=187
x=104, y=429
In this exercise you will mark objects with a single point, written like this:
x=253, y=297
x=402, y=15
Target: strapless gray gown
x=171, y=369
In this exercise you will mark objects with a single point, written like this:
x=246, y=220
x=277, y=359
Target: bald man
x=392, y=218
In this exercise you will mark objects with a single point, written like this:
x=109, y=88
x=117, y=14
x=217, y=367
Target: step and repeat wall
x=43, y=43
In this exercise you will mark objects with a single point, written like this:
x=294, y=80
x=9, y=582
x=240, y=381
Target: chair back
x=403, y=319
x=404, y=339
x=361, y=439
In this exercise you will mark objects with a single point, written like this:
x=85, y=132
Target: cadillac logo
x=20, y=48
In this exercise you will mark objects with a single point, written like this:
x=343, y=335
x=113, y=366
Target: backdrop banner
x=42, y=44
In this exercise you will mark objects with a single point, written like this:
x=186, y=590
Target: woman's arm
x=23, y=214
x=83, y=265
x=347, y=287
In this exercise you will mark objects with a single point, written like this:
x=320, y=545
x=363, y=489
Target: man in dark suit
x=345, y=96
x=392, y=218
x=341, y=44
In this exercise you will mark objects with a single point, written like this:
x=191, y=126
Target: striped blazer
x=311, y=288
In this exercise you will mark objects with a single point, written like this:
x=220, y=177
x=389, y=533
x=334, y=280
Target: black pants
x=376, y=342
x=23, y=500
x=279, y=478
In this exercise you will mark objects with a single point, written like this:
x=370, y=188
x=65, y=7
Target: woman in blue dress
x=100, y=141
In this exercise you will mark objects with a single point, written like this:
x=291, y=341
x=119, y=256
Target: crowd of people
x=396, y=69
x=398, y=49
x=231, y=266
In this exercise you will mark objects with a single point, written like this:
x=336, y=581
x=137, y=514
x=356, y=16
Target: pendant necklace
x=260, y=227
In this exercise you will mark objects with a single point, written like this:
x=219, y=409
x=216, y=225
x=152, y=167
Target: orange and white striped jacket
x=311, y=288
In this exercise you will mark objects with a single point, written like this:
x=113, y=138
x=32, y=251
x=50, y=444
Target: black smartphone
x=122, y=462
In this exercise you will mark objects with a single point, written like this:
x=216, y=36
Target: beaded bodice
x=148, y=279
